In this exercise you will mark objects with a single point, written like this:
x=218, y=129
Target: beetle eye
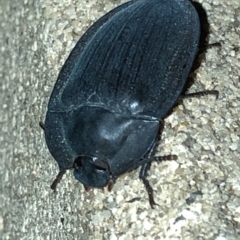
x=78, y=162
x=101, y=165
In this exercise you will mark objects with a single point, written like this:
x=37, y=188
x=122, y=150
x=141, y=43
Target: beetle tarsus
x=58, y=179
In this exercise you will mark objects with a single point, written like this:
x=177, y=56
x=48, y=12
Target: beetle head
x=91, y=171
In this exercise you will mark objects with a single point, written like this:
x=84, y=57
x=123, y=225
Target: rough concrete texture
x=198, y=194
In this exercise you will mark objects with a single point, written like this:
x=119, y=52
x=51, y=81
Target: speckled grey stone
x=36, y=38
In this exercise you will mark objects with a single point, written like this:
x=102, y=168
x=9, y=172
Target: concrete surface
x=36, y=37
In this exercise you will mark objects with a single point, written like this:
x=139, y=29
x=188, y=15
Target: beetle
x=120, y=81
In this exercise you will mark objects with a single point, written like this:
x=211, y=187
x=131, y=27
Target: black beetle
x=121, y=79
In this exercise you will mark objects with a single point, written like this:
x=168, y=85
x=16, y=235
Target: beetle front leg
x=143, y=177
x=146, y=166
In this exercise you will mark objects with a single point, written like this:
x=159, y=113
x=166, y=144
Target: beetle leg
x=200, y=94
x=209, y=46
x=143, y=174
x=58, y=179
x=143, y=177
x=145, y=167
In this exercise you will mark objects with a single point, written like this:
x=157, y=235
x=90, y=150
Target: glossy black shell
x=123, y=76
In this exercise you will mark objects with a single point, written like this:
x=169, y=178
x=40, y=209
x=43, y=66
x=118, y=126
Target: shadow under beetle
x=121, y=79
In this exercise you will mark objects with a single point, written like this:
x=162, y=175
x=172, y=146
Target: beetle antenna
x=41, y=125
x=58, y=179
x=158, y=159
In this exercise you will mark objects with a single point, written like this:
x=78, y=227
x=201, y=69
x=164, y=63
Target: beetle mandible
x=121, y=79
